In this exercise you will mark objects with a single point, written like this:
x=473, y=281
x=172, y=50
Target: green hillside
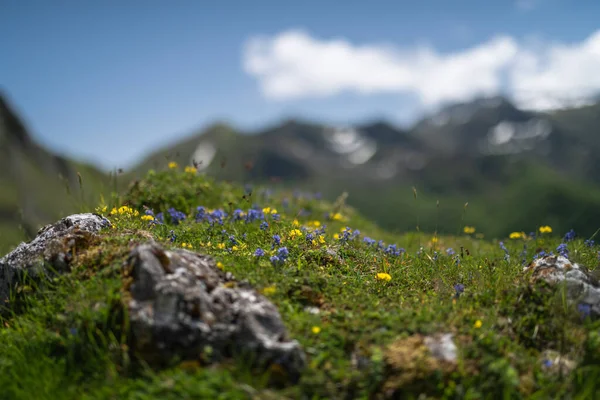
x=38, y=186
x=362, y=310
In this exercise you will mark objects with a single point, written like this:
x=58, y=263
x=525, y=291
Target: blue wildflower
x=450, y=251
x=563, y=250
x=276, y=240
x=232, y=240
x=589, y=243
x=459, y=288
x=584, y=309
x=172, y=236
x=176, y=216
x=506, y=254
x=547, y=363
x=264, y=226
x=309, y=237
x=283, y=253
x=569, y=236
x=160, y=217
x=259, y=252
x=369, y=241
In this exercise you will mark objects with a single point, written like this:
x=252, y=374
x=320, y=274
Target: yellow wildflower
x=545, y=229
x=190, y=170
x=295, y=222
x=321, y=239
x=221, y=246
x=336, y=236
x=517, y=235
x=234, y=248
x=478, y=324
x=147, y=218
x=384, y=276
x=316, y=224
x=220, y=265
x=295, y=232
x=316, y=330
x=336, y=217
x=269, y=210
x=269, y=290
x=469, y=230
x=434, y=239
x=173, y=165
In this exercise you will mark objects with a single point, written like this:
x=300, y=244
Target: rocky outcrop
x=51, y=250
x=582, y=288
x=181, y=305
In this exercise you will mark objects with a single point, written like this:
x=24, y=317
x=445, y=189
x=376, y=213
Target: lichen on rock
x=51, y=250
x=581, y=287
x=181, y=304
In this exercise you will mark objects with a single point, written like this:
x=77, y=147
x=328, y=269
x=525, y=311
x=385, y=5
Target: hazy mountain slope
x=507, y=163
x=37, y=185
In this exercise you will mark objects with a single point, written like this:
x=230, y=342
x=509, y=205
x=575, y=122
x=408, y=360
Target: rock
x=441, y=347
x=52, y=247
x=412, y=362
x=581, y=287
x=181, y=305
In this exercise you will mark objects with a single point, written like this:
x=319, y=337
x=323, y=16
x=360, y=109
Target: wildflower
x=235, y=248
x=383, y=276
x=232, y=240
x=336, y=236
x=221, y=246
x=172, y=236
x=276, y=240
x=459, y=288
x=296, y=222
x=368, y=240
x=450, y=251
x=547, y=363
x=176, y=216
x=283, y=253
x=190, y=170
x=563, y=250
x=469, y=230
x=506, y=254
x=264, y=226
x=517, y=235
x=337, y=217
x=269, y=210
x=295, y=232
x=569, y=236
x=316, y=224
x=434, y=240
x=478, y=324
x=589, y=243
x=545, y=229
x=220, y=265
x=147, y=218
x=315, y=330
x=269, y=290
x=584, y=309
x=275, y=260
x=173, y=165
x=259, y=252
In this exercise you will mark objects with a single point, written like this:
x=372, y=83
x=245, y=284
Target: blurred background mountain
x=516, y=169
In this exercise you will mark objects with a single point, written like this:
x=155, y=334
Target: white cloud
x=295, y=65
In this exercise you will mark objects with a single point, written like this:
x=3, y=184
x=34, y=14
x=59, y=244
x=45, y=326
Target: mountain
x=38, y=186
x=516, y=169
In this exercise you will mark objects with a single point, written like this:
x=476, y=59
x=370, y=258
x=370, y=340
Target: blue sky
x=109, y=81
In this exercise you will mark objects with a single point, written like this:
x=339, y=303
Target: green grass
x=68, y=338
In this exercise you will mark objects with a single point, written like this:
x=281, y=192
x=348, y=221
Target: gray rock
x=581, y=287
x=50, y=250
x=181, y=305
x=442, y=347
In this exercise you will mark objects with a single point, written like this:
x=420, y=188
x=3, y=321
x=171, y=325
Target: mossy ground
x=68, y=337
